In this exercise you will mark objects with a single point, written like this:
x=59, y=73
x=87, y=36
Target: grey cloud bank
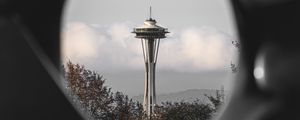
x=115, y=48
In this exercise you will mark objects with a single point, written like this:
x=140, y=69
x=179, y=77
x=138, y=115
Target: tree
x=234, y=67
x=217, y=101
x=126, y=109
x=88, y=87
x=195, y=110
x=97, y=100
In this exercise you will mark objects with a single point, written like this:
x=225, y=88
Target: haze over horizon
x=195, y=55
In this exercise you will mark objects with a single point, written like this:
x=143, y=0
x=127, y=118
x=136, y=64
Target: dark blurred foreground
x=268, y=32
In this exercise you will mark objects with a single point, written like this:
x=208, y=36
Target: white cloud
x=114, y=47
x=197, y=49
x=80, y=40
x=119, y=32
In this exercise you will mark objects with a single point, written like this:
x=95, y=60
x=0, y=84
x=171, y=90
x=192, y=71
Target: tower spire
x=150, y=12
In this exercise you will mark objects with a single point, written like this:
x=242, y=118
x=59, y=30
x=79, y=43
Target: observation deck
x=150, y=30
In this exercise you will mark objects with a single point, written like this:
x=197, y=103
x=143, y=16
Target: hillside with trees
x=88, y=90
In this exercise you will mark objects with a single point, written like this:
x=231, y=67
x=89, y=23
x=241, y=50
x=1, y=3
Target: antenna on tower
x=150, y=12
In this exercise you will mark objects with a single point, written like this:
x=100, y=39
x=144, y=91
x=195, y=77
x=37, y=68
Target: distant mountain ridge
x=187, y=96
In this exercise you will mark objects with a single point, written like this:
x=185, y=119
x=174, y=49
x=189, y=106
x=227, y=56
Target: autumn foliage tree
x=88, y=90
x=126, y=109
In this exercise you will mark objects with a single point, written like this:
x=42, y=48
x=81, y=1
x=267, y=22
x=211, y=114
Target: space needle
x=150, y=35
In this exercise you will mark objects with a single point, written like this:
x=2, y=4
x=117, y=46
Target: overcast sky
x=197, y=53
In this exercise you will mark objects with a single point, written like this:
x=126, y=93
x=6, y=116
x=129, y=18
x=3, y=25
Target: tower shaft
x=150, y=47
